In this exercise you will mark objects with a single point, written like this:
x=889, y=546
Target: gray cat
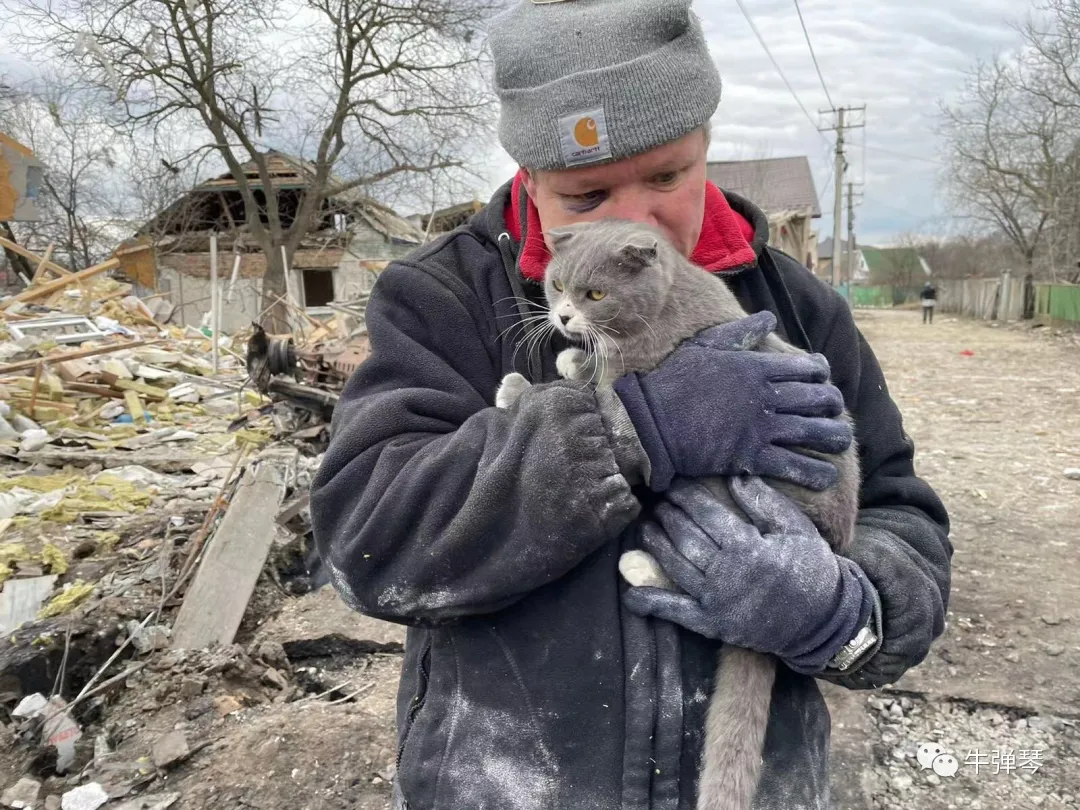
x=628, y=298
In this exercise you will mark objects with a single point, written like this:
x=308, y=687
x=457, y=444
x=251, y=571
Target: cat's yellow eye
x=557, y=285
x=596, y=295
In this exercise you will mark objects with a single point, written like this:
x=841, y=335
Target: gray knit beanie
x=586, y=81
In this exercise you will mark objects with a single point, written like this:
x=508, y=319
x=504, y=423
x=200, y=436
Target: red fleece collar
x=724, y=243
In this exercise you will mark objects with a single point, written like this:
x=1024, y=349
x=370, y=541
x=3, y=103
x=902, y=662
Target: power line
x=813, y=55
x=873, y=148
x=768, y=53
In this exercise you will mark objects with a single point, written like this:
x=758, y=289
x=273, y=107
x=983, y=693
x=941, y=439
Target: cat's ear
x=642, y=251
x=559, y=237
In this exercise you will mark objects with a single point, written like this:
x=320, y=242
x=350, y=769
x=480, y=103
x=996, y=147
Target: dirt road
x=995, y=416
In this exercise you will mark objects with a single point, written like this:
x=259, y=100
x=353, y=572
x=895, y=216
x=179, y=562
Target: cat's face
x=606, y=280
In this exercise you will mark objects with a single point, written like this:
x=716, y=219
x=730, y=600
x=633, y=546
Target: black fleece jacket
x=495, y=538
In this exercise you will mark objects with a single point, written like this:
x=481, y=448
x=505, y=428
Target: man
x=533, y=677
x=929, y=298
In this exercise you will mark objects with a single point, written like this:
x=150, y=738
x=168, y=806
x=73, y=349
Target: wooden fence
x=1002, y=298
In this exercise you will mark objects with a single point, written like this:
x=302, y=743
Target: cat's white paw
x=571, y=364
x=512, y=386
x=640, y=569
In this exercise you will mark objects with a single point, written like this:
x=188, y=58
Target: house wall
x=191, y=296
x=18, y=191
x=362, y=261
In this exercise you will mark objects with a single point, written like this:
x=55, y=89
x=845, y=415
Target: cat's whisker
x=613, y=317
x=527, y=301
x=647, y=325
x=530, y=336
x=532, y=319
x=537, y=335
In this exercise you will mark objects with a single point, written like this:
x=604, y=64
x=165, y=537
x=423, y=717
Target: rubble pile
x=153, y=523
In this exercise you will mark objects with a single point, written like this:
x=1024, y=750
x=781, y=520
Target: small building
x=784, y=189
x=352, y=240
x=860, y=270
x=446, y=219
x=20, y=182
x=898, y=266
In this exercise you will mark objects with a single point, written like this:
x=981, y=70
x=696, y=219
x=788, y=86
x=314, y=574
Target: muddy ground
x=995, y=415
x=300, y=712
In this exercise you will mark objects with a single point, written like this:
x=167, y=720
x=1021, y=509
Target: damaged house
x=784, y=189
x=338, y=260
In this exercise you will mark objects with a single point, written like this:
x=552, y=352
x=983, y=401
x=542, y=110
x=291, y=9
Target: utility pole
x=850, y=238
x=842, y=124
x=839, y=201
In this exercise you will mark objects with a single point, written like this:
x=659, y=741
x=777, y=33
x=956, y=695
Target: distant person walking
x=929, y=297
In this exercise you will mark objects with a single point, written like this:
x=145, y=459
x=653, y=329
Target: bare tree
x=1052, y=40
x=1000, y=146
x=368, y=90
x=64, y=127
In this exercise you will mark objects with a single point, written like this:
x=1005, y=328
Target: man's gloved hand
x=712, y=408
x=772, y=585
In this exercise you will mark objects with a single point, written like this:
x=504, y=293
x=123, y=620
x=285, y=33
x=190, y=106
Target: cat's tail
x=735, y=729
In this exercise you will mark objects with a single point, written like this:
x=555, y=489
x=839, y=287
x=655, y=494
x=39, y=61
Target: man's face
x=664, y=188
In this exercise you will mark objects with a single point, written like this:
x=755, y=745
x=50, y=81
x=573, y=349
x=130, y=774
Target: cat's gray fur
x=653, y=299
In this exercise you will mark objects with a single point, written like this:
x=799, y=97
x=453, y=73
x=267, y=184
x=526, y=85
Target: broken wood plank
x=217, y=599
x=43, y=264
x=43, y=290
x=16, y=248
x=96, y=390
x=148, y=391
x=22, y=365
x=72, y=370
x=159, y=459
x=34, y=388
x=22, y=402
x=135, y=407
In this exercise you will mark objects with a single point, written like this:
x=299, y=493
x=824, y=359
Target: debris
x=85, y=797
x=218, y=597
x=158, y=801
x=967, y=353
x=34, y=440
x=66, y=601
x=225, y=705
x=1073, y=473
x=30, y=706
x=23, y=794
x=21, y=600
x=53, y=558
x=57, y=329
x=60, y=731
x=170, y=749
x=145, y=639
x=271, y=677
x=192, y=687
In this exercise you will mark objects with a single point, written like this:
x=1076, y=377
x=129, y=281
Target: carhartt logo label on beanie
x=584, y=137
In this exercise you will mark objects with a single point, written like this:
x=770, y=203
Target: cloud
x=898, y=57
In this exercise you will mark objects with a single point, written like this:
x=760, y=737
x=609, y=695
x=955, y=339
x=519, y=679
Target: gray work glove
x=713, y=408
x=772, y=585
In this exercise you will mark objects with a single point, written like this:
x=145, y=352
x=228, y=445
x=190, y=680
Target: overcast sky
x=898, y=57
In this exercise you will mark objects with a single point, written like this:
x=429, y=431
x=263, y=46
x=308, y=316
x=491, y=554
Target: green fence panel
x=1065, y=303
x=878, y=296
x=1061, y=302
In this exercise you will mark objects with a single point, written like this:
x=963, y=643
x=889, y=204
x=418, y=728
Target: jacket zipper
x=418, y=698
